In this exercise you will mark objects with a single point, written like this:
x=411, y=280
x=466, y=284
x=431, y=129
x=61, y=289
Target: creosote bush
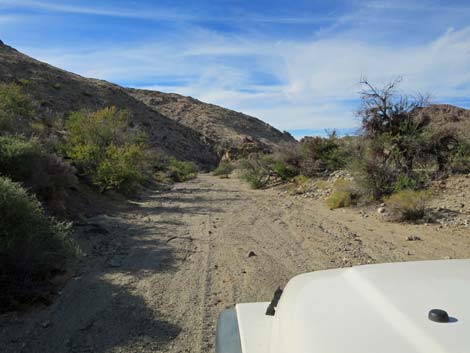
x=408, y=205
x=33, y=247
x=107, y=150
x=123, y=168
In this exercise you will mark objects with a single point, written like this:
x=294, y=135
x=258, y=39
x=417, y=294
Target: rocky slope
x=446, y=116
x=224, y=128
x=181, y=126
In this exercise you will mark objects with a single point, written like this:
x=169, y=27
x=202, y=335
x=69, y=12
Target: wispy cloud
x=158, y=14
x=293, y=82
x=317, y=80
x=98, y=11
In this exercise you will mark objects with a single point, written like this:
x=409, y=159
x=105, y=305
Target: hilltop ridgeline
x=180, y=126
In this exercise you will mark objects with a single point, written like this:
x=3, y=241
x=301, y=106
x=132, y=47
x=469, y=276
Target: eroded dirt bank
x=156, y=276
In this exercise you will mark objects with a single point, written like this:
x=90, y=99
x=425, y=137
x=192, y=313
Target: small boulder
x=251, y=254
x=381, y=210
x=413, y=238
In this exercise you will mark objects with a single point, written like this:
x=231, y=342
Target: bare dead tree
x=385, y=109
x=391, y=116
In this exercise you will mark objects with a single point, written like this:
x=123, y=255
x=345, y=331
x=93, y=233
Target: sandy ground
x=156, y=275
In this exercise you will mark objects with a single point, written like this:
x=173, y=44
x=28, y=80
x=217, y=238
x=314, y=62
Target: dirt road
x=157, y=274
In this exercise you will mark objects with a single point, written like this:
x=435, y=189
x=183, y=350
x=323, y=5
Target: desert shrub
x=284, y=170
x=345, y=193
x=256, y=171
x=339, y=199
x=181, y=170
x=300, y=184
x=16, y=109
x=289, y=154
x=408, y=205
x=374, y=176
x=107, y=150
x=256, y=178
x=33, y=247
x=162, y=177
x=419, y=180
x=400, y=150
x=224, y=169
x=460, y=159
x=319, y=155
x=322, y=184
x=122, y=168
x=18, y=157
x=167, y=169
x=259, y=170
x=45, y=174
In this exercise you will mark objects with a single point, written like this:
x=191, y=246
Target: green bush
x=33, y=247
x=18, y=157
x=181, y=170
x=224, y=169
x=320, y=155
x=460, y=160
x=345, y=193
x=285, y=171
x=339, y=199
x=419, y=180
x=168, y=169
x=16, y=109
x=376, y=176
x=122, y=168
x=408, y=205
x=107, y=150
x=47, y=175
x=256, y=171
x=256, y=178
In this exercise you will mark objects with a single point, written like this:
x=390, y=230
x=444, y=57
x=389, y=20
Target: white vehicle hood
x=368, y=309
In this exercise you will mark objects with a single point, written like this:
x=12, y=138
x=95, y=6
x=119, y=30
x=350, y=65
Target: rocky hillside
x=181, y=126
x=223, y=127
x=445, y=116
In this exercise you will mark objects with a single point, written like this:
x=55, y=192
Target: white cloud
x=158, y=14
x=98, y=11
x=316, y=78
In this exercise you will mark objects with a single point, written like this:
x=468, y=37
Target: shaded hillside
x=58, y=92
x=181, y=126
x=224, y=127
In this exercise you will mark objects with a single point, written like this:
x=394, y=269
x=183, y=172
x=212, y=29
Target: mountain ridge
x=58, y=92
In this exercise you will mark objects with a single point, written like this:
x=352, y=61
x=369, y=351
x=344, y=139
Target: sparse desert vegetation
x=89, y=183
x=107, y=150
x=38, y=172
x=396, y=156
x=224, y=169
x=33, y=248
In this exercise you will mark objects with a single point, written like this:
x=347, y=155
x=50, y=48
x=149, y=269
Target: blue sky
x=294, y=64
